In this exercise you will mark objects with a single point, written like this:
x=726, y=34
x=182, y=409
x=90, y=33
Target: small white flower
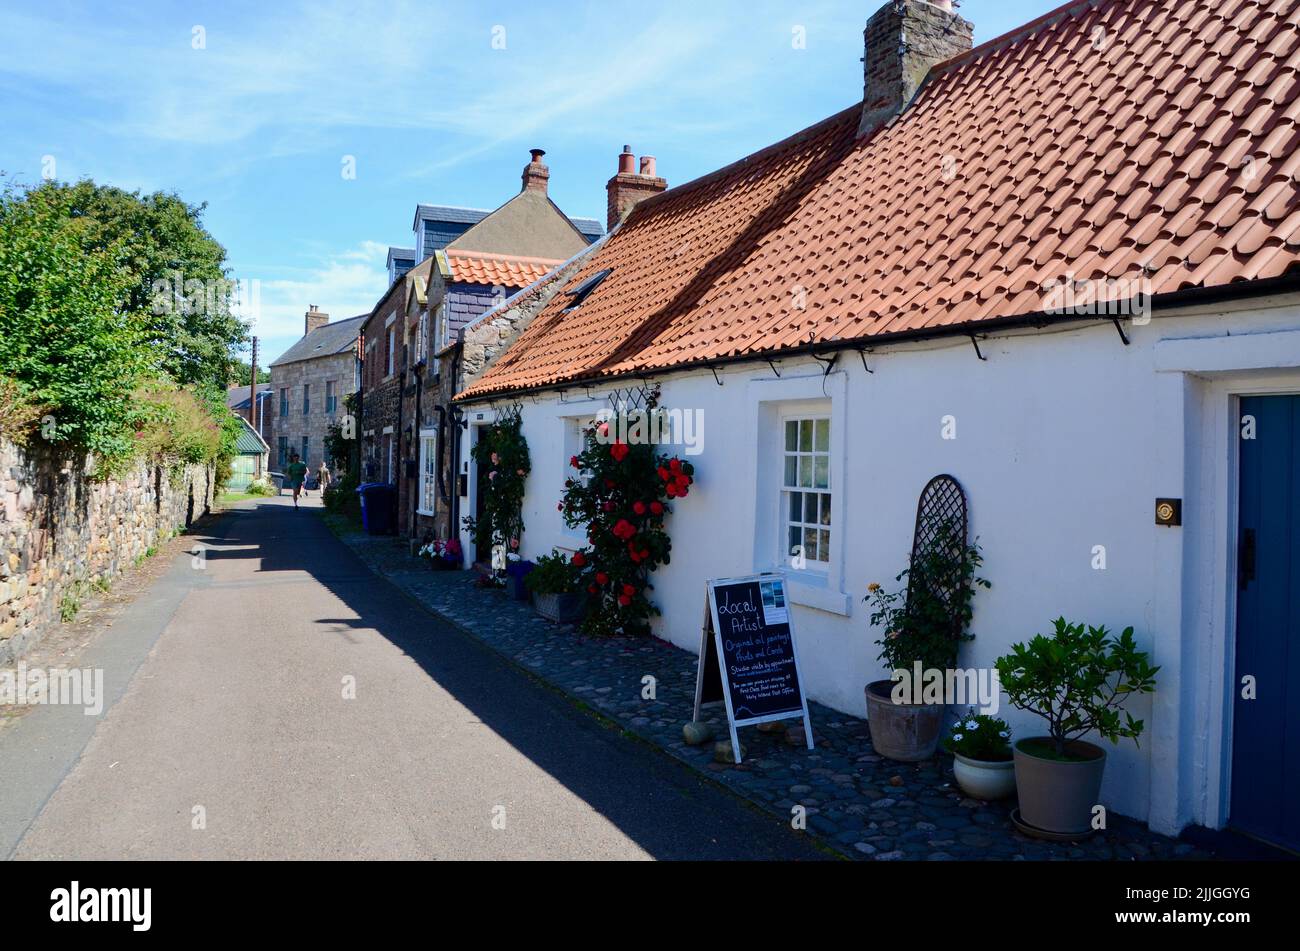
x=972, y=725
x=1004, y=734
x=957, y=737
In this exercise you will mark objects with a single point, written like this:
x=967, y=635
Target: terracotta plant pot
x=1058, y=796
x=984, y=779
x=906, y=732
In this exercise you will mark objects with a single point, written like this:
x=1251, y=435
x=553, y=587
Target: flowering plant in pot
x=621, y=494
x=1076, y=680
x=982, y=762
x=442, y=555
x=555, y=583
x=924, y=625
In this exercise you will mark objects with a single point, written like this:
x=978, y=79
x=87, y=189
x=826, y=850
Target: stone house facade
x=310, y=383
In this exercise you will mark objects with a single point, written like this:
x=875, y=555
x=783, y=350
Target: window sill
x=811, y=592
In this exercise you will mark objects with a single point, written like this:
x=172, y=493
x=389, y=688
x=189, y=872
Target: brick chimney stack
x=629, y=187
x=903, y=40
x=535, y=173
x=314, y=318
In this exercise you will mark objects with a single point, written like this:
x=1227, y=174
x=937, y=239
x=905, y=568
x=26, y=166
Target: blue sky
x=258, y=121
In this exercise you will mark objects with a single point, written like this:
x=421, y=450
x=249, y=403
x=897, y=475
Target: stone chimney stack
x=536, y=174
x=903, y=40
x=628, y=187
x=314, y=318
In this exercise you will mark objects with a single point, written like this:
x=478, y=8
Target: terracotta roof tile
x=498, y=270
x=1174, y=147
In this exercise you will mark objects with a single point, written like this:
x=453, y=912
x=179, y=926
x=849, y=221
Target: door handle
x=1246, y=559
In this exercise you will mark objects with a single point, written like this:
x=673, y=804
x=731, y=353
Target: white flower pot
x=980, y=779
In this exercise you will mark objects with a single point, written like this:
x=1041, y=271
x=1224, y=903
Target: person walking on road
x=296, y=471
x=323, y=474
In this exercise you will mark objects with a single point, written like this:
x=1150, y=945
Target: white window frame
x=772, y=401
x=804, y=483
x=392, y=350
x=428, y=471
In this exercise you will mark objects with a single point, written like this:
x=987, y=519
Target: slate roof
x=505, y=270
x=1104, y=138
x=335, y=337
x=237, y=396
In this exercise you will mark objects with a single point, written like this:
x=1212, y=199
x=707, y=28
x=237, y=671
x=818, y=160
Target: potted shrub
x=1076, y=680
x=924, y=626
x=982, y=762
x=554, y=583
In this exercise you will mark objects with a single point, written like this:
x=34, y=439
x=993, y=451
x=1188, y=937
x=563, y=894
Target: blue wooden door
x=1266, y=729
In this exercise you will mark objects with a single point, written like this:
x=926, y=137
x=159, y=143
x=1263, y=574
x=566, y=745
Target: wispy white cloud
x=342, y=284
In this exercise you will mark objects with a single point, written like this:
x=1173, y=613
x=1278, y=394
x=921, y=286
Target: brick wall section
x=57, y=527
x=339, y=368
x=902, y=42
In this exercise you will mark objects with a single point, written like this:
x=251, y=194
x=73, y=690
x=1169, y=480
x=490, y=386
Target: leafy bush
x=980, y=737
x=261, y=486
x=340, y=496
x=554, y=574
x=18, y=416
x=929, y=621
x=1076, y=680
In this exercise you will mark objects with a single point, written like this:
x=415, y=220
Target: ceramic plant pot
x=985, y=779
x=1058, y=796
x=906, y=732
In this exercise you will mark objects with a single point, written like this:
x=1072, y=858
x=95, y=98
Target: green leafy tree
x=174, y=272
x=64, y=336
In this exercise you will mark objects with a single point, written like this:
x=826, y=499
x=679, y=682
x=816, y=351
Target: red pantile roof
x=1098, y=141
x=505, y=270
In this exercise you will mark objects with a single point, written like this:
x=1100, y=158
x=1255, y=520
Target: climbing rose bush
x=621, y=495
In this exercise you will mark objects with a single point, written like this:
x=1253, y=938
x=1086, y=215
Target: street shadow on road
x=659, y=804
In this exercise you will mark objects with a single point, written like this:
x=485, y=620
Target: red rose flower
x=619, y=451
x=602, y=579
x=664, y=474
x=592, y=589
x=675, y=464
x=573, y=461
x=579, y=559
x=629, y=590
x=609, y=506
x=638, y=507
x=657, y=508
x=624, y=600
x=624, y=529
x=671, y=491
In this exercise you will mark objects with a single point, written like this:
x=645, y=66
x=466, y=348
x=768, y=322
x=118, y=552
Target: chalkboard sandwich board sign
x=748, y=657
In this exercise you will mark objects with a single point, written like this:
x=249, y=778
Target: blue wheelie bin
x=377, y=502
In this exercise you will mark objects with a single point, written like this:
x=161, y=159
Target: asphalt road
x=233, y=738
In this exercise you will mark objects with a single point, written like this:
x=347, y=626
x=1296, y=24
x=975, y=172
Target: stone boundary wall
x=59, y=528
